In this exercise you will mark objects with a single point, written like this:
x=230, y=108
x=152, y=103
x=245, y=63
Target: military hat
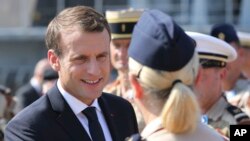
x=159, y=43
x=122, y=22
x=225, y=32
x=212, y=51
x=50, y=74
x=244, y=39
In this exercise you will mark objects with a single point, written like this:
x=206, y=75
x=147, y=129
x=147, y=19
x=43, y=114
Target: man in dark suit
x=31, y=91
x=76, y=109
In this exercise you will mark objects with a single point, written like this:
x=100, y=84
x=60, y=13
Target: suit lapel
x=109, y=116
x=66, y=118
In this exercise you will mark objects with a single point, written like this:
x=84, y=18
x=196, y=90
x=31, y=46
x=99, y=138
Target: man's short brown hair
x=85, y=17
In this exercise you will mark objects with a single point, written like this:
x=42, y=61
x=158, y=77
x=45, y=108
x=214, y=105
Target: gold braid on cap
x=208, y=60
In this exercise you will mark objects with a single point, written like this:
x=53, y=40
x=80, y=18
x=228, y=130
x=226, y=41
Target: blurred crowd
x=42, y=80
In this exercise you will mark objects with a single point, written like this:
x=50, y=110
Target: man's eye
x=102, y=57
x=80, y=60
x=117, y=45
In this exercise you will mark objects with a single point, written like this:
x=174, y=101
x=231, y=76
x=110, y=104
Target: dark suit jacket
x=51, y=119
x=25, y=96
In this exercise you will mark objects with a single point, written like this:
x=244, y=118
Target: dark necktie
x=95, y=128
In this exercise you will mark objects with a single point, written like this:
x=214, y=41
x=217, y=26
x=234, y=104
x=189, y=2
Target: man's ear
x=241, y=51
x=136, y=86
x=53, y=60
x=198, y=77
x=223, y=73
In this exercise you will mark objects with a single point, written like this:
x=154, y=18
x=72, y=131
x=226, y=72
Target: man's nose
x=94, y=68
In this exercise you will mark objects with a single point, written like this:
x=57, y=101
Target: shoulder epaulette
x=238, y=114
x=242, y=77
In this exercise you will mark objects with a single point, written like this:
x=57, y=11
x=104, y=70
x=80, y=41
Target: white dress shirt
x=77, y=107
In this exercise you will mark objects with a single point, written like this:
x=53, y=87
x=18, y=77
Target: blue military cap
x=159, y=43
x=225, y=32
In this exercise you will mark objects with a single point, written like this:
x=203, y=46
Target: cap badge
x=221, y=36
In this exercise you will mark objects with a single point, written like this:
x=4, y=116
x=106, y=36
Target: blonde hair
x=180, y=113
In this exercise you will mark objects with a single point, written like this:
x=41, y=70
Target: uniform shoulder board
x=242, y=77
x=135, y=137
x=238, y=114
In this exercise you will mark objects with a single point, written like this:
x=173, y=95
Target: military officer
x=227, y=33
x=163, y=65
x=122, y=23
x=245, y=43
x=236, y=83
x=244, y=84
x=233, y=76
x=6, y=107
x=214, y=54
x=242, y=99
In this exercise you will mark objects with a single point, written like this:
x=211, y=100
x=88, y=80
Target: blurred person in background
x=214, y=54
x=236, y=82
x=6, y=108
x=242, y=99
x=49, y=79
x=245, y=43
x=121, y=23
x=30, y=92
x=244, y=84
x=227, y=33
x=163, y=66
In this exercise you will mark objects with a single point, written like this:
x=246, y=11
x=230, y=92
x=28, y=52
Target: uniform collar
x=216, y=111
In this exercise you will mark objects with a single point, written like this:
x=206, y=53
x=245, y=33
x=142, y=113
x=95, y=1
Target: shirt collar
x=76, y=105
